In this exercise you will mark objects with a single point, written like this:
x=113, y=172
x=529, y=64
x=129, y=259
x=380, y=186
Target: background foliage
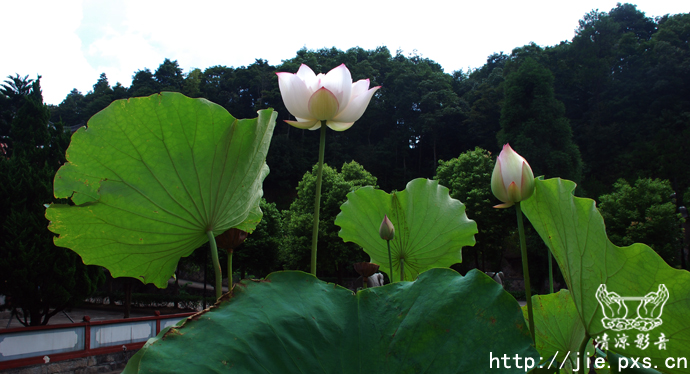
x=643, y=213
x=621, y=84
x=39, y=278
x=335, y=256
x=468, y=177
x=258, y=255
x=617, y=93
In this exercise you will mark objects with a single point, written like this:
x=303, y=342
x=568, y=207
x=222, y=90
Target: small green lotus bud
x=387, y=230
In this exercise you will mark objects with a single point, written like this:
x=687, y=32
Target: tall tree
x=335, y=257
x=664, y=139
x=258, y=255
x=643, y=213
x=484, y=98
x=534, y=123
x=71, y=111
x=468, y=177
x=99, y=98
x=254, y=86
x=603, y=78
x=217, y=84
x=39, y=278
x=192, y=83
x=17, y=87
x=12, y=93
x=169, y=76
x=143, y=84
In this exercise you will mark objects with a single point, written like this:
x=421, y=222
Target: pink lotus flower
x=331, y=97
x=512, y=180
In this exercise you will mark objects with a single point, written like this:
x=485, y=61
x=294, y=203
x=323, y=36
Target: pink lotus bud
x=512, y=180
x=387, y=230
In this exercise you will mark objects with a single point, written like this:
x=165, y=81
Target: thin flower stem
x=390, y=262
x=317, y=199
x=583, y=352
x=230, y=268
x=402, y=269
x=216, y=264
x=525, y=270
x=550, y=272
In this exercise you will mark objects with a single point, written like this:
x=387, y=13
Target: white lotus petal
x=497, y=186
x=339, y=126
x=311, y=125
x=527, y=181
x=295, y=94
x=318, y=83
x=309, y=78
x=511, y=166
x=356, y=107
x=339, y=82
x=360, y=87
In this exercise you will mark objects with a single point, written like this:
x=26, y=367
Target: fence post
x=157, y=313
x=87, y=333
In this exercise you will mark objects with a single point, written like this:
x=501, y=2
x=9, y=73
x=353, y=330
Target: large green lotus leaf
x=430, y=227
x=559, y=330
x=574, y=231
x=151, y=176
x=293, y=323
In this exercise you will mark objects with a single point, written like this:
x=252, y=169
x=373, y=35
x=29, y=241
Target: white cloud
x=40, y=40
x=70, y=42
x=121, y=54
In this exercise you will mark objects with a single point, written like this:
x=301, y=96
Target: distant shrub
x=643, y=213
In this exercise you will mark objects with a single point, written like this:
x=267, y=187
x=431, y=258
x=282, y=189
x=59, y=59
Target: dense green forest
x=609, y=106
x=619, y=98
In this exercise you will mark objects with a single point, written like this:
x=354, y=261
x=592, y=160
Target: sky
x=71, y=42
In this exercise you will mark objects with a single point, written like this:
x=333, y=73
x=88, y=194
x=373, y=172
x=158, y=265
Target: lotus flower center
x=323, y=105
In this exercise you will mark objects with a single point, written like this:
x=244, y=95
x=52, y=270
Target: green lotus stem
x=230, y=268
x=317, y=199
x=583, y=350
x=216, y=264
x=402, y=269
x=390, y=262
x=550, y=272
x=525, y=270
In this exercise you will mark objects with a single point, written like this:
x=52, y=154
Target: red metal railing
x=86, y=338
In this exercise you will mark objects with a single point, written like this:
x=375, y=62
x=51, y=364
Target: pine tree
x=39, y=278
